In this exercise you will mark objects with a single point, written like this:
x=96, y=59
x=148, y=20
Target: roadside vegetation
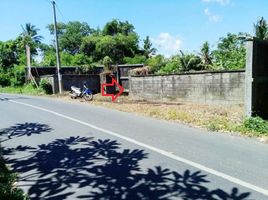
x=29, y=89
x=116, y=43
x=8, y=189
x=215, y=118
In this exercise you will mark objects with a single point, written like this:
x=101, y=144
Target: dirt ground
x=223, y=118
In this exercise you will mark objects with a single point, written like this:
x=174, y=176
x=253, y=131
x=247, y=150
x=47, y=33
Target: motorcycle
x=85, y=93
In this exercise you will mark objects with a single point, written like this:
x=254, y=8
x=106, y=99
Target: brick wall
x=203, y=87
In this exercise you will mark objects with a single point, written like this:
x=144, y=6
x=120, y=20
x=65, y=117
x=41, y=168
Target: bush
x=46, y=86
x=256, y=124
x=4, y=79
x=7, y=184
x=17, y=76
x=137, y=59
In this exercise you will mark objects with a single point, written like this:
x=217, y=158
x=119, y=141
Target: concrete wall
x=202, y=87
x=92, y=81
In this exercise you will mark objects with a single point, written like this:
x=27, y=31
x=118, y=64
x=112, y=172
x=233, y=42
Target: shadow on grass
x=85, y=168
x=24, y=129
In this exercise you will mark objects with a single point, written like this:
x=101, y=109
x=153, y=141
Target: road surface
x=73, y=150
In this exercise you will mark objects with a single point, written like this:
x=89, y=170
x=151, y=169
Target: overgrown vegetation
x=8, y=189
x=24, y=89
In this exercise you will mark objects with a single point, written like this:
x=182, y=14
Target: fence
x=92, y=81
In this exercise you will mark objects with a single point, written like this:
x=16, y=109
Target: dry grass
x=199, y=115
x=211, y=117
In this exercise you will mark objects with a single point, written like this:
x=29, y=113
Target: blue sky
x=171, y=24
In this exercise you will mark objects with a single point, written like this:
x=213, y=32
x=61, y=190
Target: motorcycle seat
x=75, y=88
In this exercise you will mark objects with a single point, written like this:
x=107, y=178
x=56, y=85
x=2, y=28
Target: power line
x=58, y=9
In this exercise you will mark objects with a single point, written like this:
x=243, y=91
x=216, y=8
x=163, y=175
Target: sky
x=172, y=25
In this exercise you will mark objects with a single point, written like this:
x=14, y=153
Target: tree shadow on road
x=24, y=129
x=100, y=169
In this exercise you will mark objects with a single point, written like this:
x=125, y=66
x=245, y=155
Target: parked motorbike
x=85, y=93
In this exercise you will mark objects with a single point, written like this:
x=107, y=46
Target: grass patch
x=26, y=89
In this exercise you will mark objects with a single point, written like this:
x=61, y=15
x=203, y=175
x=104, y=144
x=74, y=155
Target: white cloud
x=221, y=2
x=167, y=44
x=211, y=17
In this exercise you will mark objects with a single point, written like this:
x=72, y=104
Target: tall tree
x=71, y=35
x=115, y=27
x=206, y=55
x=230, y=52
x=261, y=29
x=30, y=40
x=30, y=36
x=147, y=47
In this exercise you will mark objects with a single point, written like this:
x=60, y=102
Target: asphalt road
x=69, y=150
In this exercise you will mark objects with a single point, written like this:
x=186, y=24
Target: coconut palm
x=205, y=55
x=30, y=40
x=261, y=29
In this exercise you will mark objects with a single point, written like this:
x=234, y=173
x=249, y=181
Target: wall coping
x=194, y=73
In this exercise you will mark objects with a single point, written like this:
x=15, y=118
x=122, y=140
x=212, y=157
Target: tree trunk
x=28, y=57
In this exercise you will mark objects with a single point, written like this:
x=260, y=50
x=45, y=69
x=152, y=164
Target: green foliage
x=137, y=59
x=71, y=35
x=107, y=62
x=117, y=40
x=206, y=56
x=230, y=53
x=115, y=27
x=4, y=79
x=8, y=54
x=25, y=89
x=172, y=66
x=261, y=29
x=190, y=61
x=46, y=86
x=256, y=124
x=156, y=63
x=29, y=37
x=147, y=47
x=8, y=190
x=17, y=76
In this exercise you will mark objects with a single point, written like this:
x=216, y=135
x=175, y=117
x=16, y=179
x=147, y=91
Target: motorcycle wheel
x=88, y=97
x=73, y=95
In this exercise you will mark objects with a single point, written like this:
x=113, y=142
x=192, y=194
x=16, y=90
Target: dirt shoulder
x=220, y=118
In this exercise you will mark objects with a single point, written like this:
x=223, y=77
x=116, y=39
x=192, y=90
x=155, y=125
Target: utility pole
x=57, y=48
x=28, y=56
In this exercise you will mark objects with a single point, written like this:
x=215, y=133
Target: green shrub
x=4, y=79
x=8, y=190
x=256, y=124
x=137, y=59
x=46, y=86
x=17, y=76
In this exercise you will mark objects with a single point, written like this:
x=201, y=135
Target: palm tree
x=206, y=55
x=147, y=46
x=261, y=29
x=30, y=40
x=190, y=61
